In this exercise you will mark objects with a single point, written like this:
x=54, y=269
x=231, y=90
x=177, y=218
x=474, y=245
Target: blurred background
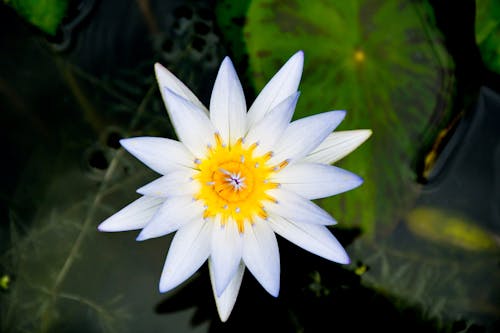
x=423, y=231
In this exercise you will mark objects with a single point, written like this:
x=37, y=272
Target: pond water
x=423, y=231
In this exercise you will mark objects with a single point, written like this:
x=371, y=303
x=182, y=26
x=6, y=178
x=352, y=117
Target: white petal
x=160, y=154
x=316, y=239
x=175, y=183
x=227, y=247
x=337, y=145
x=315, y=180
x=168, y=80
x=188, y=251
x=191, y=124
x=284, y=83
x=261, y=255
x=134, y=216
x=304, y=135
x=172, y=215
x=270, y=128
x=296, y=208
x=225, y=302
x=228, y=109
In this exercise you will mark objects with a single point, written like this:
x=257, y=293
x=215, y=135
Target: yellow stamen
x=283, y=164
x=233, y=182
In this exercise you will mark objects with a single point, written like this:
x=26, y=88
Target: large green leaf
x=44, y=14
x=384, y=62
x=488, y=32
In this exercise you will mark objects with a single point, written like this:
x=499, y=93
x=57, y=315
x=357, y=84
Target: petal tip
x=331, y=221
x=101, y=227
x=226, y=66
x=360, y=181
x=345, y=261
x=226, y=61
x=141, y=237
x=165, y=286
x=224, y=312
x=298, y=56
x=366, y=134
x=275, y=292
x=340, y=256
x=158, y=67
x=108, y=225
x=335, y=117
x=341, y=112
x=124, y=142
x=363, y=134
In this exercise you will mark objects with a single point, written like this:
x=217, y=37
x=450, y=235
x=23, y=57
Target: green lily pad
x=384, y=62
x=488, y=32
x=44, y=14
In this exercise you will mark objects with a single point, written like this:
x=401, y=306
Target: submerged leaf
x=384, y=63
x=450, y=228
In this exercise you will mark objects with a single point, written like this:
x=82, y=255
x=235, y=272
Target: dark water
x=67, y=100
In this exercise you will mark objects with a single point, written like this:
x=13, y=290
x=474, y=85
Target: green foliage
x=383, y=62
x=44, y=14
x=488, y=32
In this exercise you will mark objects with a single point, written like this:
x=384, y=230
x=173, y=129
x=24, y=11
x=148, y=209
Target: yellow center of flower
x=234, y=182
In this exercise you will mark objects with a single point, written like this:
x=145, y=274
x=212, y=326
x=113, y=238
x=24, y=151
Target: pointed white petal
x=160, y=154
x=227, y=247
x=168, y=80
x=270, y=128
x=134, y=216
x=315, y=180
x=304, y=135
x=188, y=251
x=294, y=207
x=228, y=109
x=261, y=255
x=316, y=239
x=175, y=183
x=191, y=124
x=337, y=145
x=225, y=302
x=172, y=215
x=284, y=83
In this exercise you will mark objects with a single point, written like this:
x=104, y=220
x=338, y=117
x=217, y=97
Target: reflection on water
x=450, y=229
x=434, y=268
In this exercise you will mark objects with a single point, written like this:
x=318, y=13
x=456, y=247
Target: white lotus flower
x=236, y=178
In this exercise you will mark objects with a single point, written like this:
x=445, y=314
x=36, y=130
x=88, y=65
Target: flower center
x=234, y=182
